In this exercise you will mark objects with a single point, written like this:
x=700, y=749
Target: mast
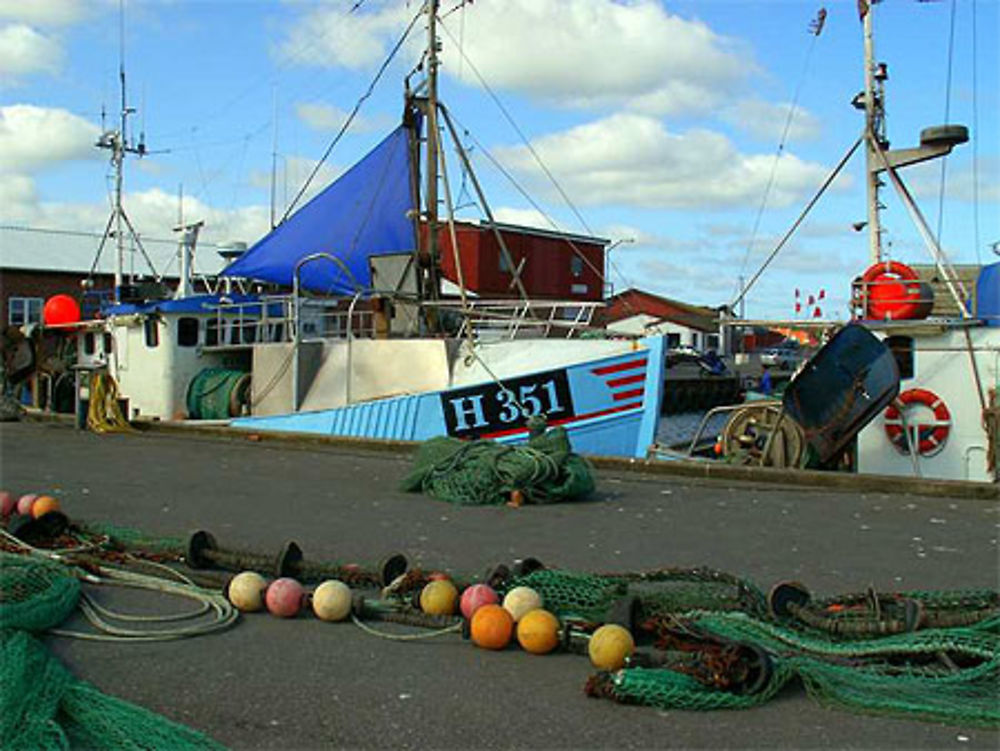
x=433, y=148
x=874, y=134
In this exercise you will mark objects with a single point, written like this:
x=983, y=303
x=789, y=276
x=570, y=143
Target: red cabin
x=552, y=265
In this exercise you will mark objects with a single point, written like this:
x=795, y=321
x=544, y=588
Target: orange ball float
x=60, y=309
x=538, y=632
x=492, y=627
x=43, y=505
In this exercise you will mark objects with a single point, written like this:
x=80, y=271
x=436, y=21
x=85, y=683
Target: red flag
x=796, y=292
x=822, y=294
x=817, y=313
x=811, y=300
x=798, y=307
x=862, y=9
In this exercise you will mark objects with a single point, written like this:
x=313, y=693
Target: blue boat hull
x=609, y=406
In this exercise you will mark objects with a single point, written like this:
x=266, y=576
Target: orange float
x=538, y=632
x=492, y=627
x=43, y=505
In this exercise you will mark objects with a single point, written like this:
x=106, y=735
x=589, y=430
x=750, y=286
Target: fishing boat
x=347, y=331
x=924, y=402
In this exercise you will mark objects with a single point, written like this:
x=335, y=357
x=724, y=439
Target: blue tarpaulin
x=361, y=214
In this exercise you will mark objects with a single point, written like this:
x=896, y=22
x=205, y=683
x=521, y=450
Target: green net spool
x=218, y=394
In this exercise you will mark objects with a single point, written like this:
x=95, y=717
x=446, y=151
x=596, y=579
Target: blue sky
x=659, y=120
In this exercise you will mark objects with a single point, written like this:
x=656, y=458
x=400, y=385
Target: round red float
x=60, y=310
x=891, y=290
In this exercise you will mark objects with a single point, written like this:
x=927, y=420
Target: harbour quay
x=302, y=683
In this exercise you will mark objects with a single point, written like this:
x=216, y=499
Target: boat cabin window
x=212, y=332
x=576, y=266
x=109, y=342
x=151, y=327
x=902, y=349
x=89, y=343
x=187, y=332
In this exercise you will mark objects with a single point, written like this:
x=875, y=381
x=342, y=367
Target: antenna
x=117, y=142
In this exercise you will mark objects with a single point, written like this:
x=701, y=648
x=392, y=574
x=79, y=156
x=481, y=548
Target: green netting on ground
x=661, y=592
x=42, y=706
x=574, y=595
x=35, y=595
x=479, y=473
x=668, y=689
x=944, y=675
x=127, y=538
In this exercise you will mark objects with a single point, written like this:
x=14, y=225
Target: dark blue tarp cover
x=988, y=294
x=362, y=213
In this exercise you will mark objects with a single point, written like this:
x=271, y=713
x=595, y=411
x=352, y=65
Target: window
x=902, y=349
x=187, y=332
x=89, y=343
x=576, y=266
x=109, y=342
x=712, y=341
x=22, y=310
x=504, y=265
x=152, y=329
x=212, y=332
x=673, y=341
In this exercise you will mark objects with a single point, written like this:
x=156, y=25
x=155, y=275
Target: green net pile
x=594, y=597
x=480, y=473
x=115, y=537
x=42, y=706
x=948, y=675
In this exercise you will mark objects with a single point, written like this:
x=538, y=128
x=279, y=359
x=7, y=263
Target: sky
x=689, y=134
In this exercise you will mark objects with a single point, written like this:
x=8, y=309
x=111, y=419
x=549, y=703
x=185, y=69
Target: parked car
x=787, y=356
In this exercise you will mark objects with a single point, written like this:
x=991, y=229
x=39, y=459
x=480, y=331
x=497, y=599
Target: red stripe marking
x=630, y=365
x=625, y=380
x=627, y=394
x=565, y=420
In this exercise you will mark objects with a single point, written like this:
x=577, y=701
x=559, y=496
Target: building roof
x=634, y=301
x=73, y=251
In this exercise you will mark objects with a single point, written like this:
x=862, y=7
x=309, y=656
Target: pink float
x=284, y=597
x=475, y=597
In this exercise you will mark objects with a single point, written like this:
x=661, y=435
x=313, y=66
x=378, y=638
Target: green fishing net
x=42, y=705
x=478, y=473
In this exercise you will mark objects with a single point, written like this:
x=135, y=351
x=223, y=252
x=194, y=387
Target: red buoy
x=890, y=290
x=60, y=310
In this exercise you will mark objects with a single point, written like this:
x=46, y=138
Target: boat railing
x=514, y=319
x=276, y=318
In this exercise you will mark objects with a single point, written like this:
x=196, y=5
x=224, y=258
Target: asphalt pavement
x=305, y=684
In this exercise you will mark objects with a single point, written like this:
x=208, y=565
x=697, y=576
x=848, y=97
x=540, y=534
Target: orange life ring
x=931, y=436
x=890, y=290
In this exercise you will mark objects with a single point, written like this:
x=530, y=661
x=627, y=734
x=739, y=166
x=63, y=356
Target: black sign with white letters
x=492, y=408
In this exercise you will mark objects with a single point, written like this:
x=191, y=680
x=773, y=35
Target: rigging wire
x=947, y=114
x=352, y=115
x=816, y=29
x=822, y=189
x=520, y=133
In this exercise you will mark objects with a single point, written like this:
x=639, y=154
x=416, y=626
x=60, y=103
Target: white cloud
x=924, y=180
x=767, y=121
x=48, y=12
x=328, y=118
x=23, y=51
x=598, y=53
x=32, y=138
x=330, y=36
x=629, y=159
x=582, y=53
